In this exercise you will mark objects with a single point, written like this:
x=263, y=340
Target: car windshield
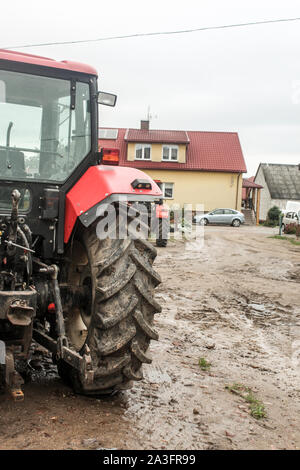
x=44, y=134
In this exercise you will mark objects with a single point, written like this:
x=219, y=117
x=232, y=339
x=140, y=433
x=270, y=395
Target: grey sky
x=244, y=79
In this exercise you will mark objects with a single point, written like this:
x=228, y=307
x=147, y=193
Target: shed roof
x=249, y=183
x=283, y=181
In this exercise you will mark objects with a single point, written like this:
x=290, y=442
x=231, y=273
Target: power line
x=159, y=33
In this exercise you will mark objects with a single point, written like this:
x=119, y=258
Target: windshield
x=44, y=134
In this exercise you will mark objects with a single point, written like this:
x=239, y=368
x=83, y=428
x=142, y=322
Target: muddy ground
x=234, y=302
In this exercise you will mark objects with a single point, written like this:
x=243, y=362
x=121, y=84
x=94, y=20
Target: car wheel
x=203, y=222
x=236, y=223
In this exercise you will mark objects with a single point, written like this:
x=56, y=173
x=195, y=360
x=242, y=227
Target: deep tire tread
x=115, y=338
x=117, y=285
x=139, y=354
x=145, y=265
x=112, y=367
x=104, y=321
x=145, y=327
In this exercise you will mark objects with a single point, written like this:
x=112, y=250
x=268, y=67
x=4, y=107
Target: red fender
x=98, y=183
x=162, y=212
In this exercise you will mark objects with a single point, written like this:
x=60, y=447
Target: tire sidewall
x=236, y=223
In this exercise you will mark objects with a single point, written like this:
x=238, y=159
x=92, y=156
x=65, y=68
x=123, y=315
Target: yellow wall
x=156, y=152
x=198, y=187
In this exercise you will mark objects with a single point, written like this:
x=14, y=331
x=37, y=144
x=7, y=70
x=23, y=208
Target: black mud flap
x=2, y=366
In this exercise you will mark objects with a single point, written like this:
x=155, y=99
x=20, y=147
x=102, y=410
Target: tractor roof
x=46, y=62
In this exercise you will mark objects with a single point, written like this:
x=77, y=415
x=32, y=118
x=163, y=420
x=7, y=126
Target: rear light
x=51, y=308
x=162, y=212
x=110, y=156
x=50, y=203
x=141, y=184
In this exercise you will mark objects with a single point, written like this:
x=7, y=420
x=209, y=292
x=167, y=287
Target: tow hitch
x=60, y=348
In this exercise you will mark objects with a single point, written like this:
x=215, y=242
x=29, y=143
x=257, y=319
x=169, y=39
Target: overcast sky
x=245, y=80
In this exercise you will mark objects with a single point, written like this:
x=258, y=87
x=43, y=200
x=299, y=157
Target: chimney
x=145, y=125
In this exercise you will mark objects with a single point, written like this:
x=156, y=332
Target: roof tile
x=166, y=137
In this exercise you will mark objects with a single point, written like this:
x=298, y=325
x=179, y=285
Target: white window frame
x=170, y=148
x=142, y=146
x=163, y=189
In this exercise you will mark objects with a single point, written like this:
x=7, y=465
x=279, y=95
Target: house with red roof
x=191, y=167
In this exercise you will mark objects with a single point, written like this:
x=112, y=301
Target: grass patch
x=279, y=237
x=282, y=237
x=204, y=364
x=256, y=407
x=237, y=388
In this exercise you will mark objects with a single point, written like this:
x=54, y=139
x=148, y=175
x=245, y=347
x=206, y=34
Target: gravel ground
x=234, y=302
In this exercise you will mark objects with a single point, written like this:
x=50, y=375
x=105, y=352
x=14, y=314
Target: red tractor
x=85, y=298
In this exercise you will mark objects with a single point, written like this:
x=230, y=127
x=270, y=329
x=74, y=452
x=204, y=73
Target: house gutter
x=237, y=191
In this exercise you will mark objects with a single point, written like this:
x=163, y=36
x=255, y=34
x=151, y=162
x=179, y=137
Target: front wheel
x=117, y=320
x=236, y=223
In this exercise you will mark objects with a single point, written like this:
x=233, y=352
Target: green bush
x=273, y=216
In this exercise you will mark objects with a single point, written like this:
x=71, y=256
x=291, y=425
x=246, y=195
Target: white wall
x=265, y=196
x=281, y=203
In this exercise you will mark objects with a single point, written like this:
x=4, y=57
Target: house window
x=170, y=153
x=167, y=190
x=143, y=152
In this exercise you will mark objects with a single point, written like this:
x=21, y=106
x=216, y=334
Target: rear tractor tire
x=117, y=322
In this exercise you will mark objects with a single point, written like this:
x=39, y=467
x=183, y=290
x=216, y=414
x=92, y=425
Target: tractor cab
x=45, y=127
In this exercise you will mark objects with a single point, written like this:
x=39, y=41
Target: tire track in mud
x=256, y=313
x=169, y=396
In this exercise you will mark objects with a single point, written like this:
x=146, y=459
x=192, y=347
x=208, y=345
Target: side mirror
x=2, y=92
x=107, y=99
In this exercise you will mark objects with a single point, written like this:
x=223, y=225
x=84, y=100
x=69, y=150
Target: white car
x=289, y=218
